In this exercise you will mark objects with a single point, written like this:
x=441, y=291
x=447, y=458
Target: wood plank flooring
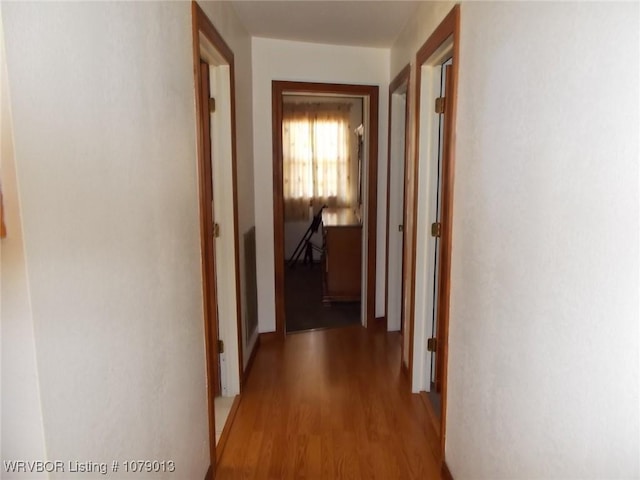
x=329, y=404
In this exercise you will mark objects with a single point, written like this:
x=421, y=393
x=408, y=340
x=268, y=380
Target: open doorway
x=217, y=187
x=396, y=192
x=322, y=172
x=432, y=210
x=326, y=214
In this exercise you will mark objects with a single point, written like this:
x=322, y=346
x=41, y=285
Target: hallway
x=110, y=286
x=329, y=404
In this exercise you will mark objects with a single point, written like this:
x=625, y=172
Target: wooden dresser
x=342, y=257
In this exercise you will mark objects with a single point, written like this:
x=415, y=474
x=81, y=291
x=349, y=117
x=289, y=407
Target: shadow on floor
x=304, y=309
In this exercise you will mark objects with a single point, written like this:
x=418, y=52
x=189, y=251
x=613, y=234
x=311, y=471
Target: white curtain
x=316, y=158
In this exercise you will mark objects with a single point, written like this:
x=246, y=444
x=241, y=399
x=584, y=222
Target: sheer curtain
x=315, y=158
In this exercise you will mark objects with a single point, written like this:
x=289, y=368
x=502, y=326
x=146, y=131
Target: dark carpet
x=304, y=309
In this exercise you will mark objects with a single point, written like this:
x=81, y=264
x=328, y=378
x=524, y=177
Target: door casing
x=400, y=83
x=279, y=88
x=207, y=41
x=444, y=39
x=209, y=248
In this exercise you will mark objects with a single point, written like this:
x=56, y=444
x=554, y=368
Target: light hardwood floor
x=329, y=405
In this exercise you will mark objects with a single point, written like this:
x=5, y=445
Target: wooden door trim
x=448, y=28
x=3, y=228
x=209, y=248
x=278, y=88
x=202, y=24
x=403, y=77
x=208, y=270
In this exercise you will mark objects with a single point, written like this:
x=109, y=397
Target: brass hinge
x=432, y=344
x=436, y=229
x=212, y=105
x=220, y=346
x=216, y=230
x=440, y=104
x=401, y=228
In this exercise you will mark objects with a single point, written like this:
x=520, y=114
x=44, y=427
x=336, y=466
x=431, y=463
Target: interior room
x=322, y=177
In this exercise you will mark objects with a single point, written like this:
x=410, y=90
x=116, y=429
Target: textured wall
x=22, y=433
x=104, y=126
x=543, y=365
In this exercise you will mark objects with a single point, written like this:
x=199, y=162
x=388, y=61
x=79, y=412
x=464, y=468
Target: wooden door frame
x=403, y=77
x=448, y=29
x=206, y=232
x=202, y=25
x=278, y=89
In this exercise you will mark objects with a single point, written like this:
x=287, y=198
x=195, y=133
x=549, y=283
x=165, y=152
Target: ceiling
x=357, y=23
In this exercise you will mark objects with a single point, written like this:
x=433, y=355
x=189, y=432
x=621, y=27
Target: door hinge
x=436, y=228
x=432, y=344
x=440, y=104
x=212, y=105
x=220, y=346
x=401, y=228
x=216, y=230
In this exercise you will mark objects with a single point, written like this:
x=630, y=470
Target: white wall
x=102, y=97
x=224, y=18
x=287, y=60
x=21, y=429
x=543, y=363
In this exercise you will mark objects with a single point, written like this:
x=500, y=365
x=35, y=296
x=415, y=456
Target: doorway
x=322, y=169
x=362, y=216
x=432, y=210
x=217, y=187
x=441, y=78
x=399, y=92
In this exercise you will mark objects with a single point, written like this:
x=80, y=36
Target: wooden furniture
x=342, y=257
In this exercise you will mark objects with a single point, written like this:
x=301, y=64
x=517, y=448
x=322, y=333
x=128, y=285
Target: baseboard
x=227, y=428
x=431, y=426
x=252, y=357
x=445, y=473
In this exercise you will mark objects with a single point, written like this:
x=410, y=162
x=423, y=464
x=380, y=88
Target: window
x=316, y=158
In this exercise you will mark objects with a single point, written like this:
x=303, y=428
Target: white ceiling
x=358, y=23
